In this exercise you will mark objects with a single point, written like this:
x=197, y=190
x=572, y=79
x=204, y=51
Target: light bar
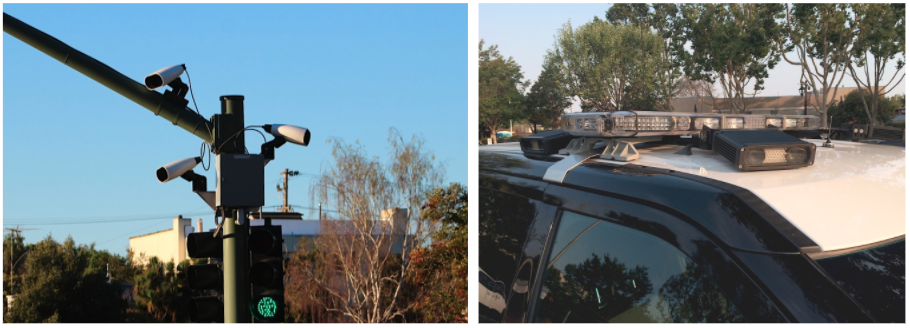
x=634, y=123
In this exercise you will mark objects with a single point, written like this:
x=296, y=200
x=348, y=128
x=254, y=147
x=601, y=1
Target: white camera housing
x=175, y=169
x=164, y=76
x=293, y=134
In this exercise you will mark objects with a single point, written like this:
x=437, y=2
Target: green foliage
x=61, y=285
x=162, y=292
x=820, y=36
x=14, y=252
x=610, y=67
x=500, y=88
x=548, y=98
x=881, y=38
x=733, y=44
x=442, y=268
x=663, y=19
x=851, y=109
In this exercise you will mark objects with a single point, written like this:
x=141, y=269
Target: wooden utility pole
x=284, y=190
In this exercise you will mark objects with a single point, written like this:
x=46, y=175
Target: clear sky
x=80, y=160
x=525, y=32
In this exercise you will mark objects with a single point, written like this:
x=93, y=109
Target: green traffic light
x=267, y=307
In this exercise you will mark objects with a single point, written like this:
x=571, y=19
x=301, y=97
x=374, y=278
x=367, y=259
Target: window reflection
x=603, y=272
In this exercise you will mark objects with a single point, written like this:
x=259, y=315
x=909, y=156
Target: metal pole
x=229, y=127
x=107, y=76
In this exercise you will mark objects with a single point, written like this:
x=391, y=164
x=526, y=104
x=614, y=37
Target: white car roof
x=852, y=196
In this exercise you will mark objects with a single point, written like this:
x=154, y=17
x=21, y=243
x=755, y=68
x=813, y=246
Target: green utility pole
x=224, y=132
x=107, y=76
x=229, y=140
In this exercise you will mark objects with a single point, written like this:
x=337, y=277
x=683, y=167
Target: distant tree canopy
x=61, y=284
x=440, y=280
x=610, y=67
x=162, y=291
x=500, y=89
x=851, y=109
x=548, y=98
x=733, y=44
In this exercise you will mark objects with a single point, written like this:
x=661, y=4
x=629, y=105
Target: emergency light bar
x=643, y=124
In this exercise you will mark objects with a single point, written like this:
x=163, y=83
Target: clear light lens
x=754, y=122
x=733, y=123
x=626, y=123
x=590, y=124
x=773, y=122
x=682, y=123
x=710, y=122
x=654, y=123
x=772, y=156
x=797, y=155
x=790, y=123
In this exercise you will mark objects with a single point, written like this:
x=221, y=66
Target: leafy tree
x=60, y=286
x=851, y=109
x=663, y=19
x=881, y=38
x=732, y=44
x=306, y=299
x=569, y=291
x=501, y=89
x=547, y=100
x=610, y=67
x=162, y=292
x=365, y=278
x=441, y=275
x=820, y=35
x=692, y=296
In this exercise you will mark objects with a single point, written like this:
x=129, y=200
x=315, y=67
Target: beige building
x=167, y=245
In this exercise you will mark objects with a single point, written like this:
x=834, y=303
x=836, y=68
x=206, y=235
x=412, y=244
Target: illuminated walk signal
x=205, y=277
x=266, y=273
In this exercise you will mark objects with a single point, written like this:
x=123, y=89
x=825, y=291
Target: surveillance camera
x=172, y=170
x=163, y=76
x=293, y=134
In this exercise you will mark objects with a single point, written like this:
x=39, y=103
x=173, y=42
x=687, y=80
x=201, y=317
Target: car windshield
x=874, y=278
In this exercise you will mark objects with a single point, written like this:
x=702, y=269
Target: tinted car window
x=874, y=278
x=504, y=223
x=602, y=272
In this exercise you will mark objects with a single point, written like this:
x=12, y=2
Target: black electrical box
x=241, y=180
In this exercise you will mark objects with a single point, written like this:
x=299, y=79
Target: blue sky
x=525, y=32
x=75, y=151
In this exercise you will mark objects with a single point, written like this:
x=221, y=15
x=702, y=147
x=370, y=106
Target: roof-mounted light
x=633, y=124
x=761, y=150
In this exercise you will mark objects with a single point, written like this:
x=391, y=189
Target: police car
x=672, y=217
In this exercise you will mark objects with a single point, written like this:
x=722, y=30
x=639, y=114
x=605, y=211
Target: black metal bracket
x=178, y=93
x=268, y=148
x=200, y=183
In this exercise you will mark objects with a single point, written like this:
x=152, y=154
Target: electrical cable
x=238, y=133
x=68, y=221
x=190, y=80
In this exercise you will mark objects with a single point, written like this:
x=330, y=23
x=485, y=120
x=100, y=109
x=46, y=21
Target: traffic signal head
x=205, y=276
x=206, y=309
x=268, y=307
x=203, y=245
x=266, y=273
